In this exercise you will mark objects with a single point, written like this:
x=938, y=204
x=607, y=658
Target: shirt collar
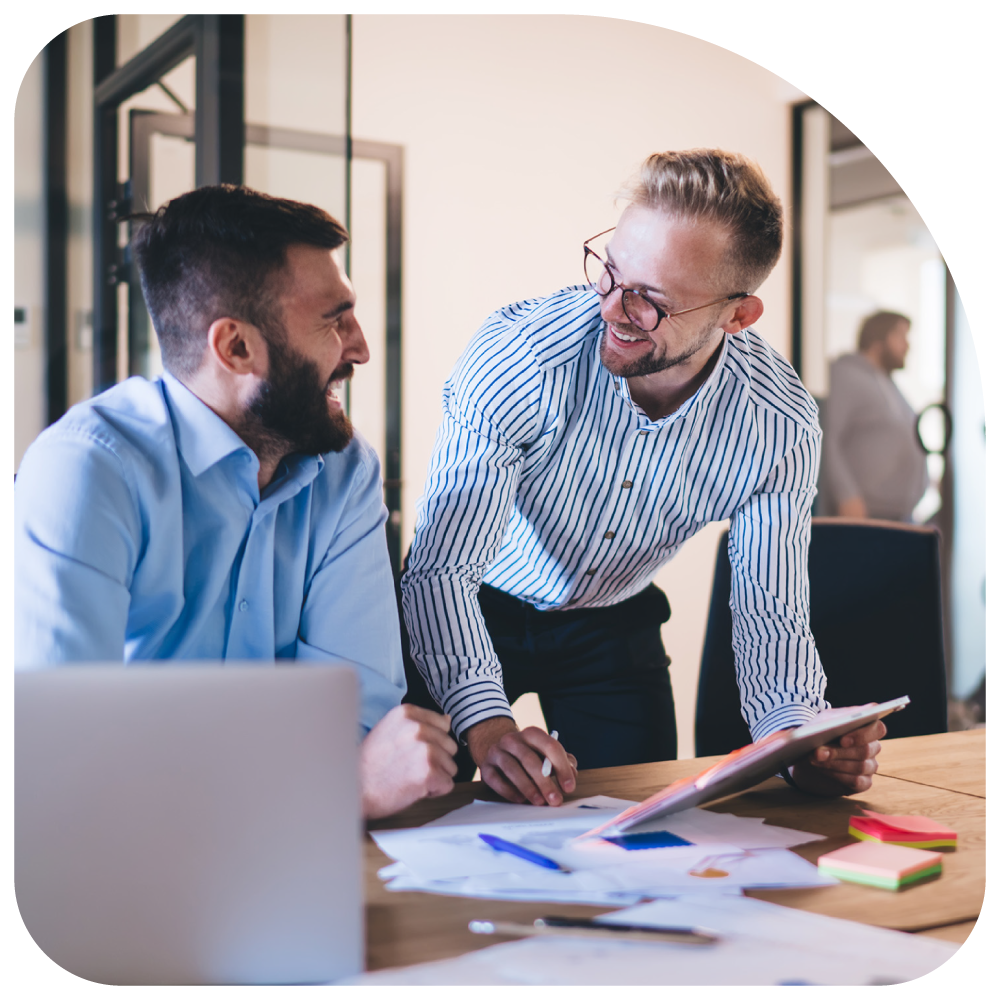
x=203, y=437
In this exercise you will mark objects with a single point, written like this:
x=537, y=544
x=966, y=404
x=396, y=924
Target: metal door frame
x=216, y=42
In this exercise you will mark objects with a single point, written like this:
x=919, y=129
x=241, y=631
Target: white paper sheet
x=623, y=884
x=598, y=807
x=763, y=944
x=703, y=826
x=452, y=858
x=441, y=852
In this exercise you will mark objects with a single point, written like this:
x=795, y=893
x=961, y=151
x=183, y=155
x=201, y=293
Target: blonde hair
x=722, y=187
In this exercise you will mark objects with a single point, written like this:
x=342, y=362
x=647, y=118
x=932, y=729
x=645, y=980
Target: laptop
x=194, y=823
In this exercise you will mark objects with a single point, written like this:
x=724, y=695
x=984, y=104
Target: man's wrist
x=480, y=736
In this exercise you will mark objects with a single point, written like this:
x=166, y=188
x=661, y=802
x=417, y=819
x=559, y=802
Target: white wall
x=518, y=131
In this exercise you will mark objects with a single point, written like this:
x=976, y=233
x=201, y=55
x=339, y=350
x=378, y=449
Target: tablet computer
x=749, y=765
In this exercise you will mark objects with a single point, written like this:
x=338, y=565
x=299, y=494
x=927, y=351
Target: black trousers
x=601, y=675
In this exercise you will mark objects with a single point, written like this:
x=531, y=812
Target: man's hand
x=510, y=761
x=407, y=756
x=841, y=768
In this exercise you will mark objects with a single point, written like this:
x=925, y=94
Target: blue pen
x=499, y=844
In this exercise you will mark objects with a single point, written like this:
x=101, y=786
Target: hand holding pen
x=512, y=761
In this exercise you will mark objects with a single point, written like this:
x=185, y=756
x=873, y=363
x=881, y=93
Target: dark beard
x=650, y=364
x=290, y=411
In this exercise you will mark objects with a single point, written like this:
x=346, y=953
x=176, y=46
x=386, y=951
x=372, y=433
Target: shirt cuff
x=782, y=717
x=475, y=702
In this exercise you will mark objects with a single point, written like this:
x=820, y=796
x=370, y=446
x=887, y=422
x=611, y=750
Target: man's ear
x=237, y=346
x=742, y=314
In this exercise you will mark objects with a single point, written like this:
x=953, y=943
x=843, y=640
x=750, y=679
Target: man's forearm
x=451, y=647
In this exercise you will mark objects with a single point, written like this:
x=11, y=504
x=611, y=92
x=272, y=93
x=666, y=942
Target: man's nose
x=354, y=344
x=612, y=310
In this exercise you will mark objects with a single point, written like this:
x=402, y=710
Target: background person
x=873, y=465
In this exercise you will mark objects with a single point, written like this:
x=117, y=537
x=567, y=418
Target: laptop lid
x=192, y=823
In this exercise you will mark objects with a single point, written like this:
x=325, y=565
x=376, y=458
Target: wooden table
x=941, y=776
x=955, y=761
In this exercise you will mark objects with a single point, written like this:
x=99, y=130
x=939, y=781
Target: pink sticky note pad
x=886, y=860
x=913, y=824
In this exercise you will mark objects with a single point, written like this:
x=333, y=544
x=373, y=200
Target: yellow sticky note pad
x=908, y=831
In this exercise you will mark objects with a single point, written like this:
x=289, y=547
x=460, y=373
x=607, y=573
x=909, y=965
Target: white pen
x=547, y=764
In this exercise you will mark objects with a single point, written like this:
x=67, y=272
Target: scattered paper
x=479, y=811
x=762, y=944
x=449, y=856
x=703, y=826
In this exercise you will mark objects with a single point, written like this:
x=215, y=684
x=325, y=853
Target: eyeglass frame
x=661, y=313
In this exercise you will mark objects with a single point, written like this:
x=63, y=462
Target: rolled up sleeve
x=780, y=676
x=491, y=410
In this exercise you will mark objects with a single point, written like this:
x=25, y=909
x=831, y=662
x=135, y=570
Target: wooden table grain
x=956, y=761
x=404, y=928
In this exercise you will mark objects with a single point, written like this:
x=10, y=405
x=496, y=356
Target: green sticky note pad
x=887, y=866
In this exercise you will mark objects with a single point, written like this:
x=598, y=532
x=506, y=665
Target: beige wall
x=518, y=130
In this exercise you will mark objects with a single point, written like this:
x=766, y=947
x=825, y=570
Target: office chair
x=876, y=615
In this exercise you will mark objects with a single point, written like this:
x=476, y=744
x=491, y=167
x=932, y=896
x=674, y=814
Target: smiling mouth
x=626, y=338
x=335, y=387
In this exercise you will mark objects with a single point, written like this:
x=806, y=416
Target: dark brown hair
x=216, y=252
x=877, y=327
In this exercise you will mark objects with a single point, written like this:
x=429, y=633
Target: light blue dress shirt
x=140, y=534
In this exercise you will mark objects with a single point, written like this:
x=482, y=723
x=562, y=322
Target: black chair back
x=876, y=616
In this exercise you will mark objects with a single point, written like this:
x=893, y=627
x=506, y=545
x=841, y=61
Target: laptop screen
x=179, y=825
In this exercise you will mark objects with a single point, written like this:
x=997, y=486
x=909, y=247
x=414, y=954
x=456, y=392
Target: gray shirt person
x=872, y=462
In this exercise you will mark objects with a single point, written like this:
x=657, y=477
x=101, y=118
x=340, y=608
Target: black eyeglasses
x=641, y=311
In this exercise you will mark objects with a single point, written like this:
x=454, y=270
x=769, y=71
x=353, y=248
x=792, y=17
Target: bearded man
x=227, y=510
x=586, y=436
x=873, y=464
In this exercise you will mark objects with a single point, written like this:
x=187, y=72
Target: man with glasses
x=586, y=436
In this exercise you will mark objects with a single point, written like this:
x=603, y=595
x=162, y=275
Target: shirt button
x=244, y=604
x=627, y=485
x=591, y=571
x=643, y=433
x=609, y=535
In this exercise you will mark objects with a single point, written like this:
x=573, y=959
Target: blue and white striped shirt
x=550, y=484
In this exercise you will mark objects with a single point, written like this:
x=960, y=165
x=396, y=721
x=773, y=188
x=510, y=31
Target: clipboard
x=749, y=765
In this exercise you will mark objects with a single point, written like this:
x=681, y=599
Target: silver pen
x=570, y=927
